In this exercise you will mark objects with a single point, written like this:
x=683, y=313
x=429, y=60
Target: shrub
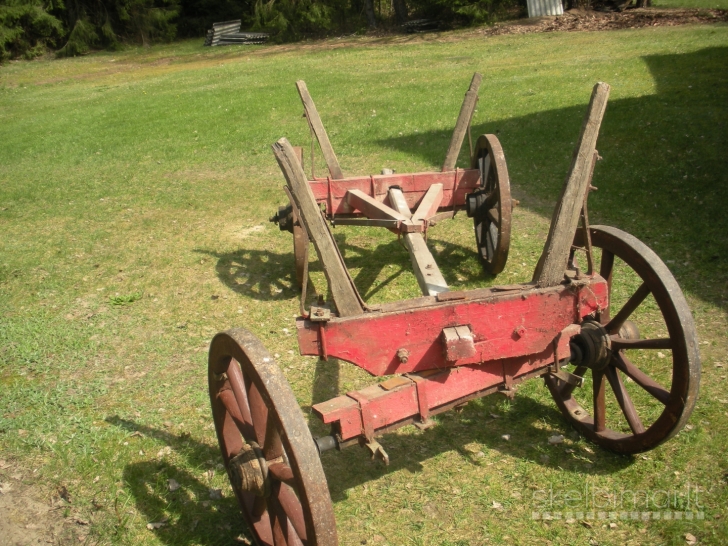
x=27, y=29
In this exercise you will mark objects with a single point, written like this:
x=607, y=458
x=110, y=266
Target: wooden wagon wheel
x=490, y=206
x=664, y=387
x=270, y=456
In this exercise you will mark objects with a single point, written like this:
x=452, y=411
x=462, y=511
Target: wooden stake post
x=552, y=265
x=466, y=115
x=317, y=127
x=344, y=294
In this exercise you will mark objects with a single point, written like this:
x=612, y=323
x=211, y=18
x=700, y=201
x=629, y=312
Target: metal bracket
x=323, y=351
x=567, y=377
x=425, y=422
x=378, y=451
x=319, y=314
x=508, y=390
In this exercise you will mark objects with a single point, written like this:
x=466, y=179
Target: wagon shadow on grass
x=265, y=275
x=194, y=518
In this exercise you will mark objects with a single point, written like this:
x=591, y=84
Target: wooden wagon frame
x=447, y=347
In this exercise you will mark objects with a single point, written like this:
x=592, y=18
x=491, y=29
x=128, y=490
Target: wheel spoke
x=272, y=449
x=641, y=378
x=619, y=343
x=568, y=388
x=228, y=400
x=485, y=170
x=605, y=270
x=489, y=245
x=599, y=410
x=237, y=384
x=291, y=506
x=261, y=521
x=624, y=401
x=490, y=200
x=633, y=303
x=493, y=216
x=260, y=506
x=258, y=412
x=284, y=530
x=281, y=472
x=229, y=430
x=278, y=523
x=606, y=266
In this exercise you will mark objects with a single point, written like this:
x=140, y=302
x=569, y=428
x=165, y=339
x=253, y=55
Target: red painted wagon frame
x=446, y=349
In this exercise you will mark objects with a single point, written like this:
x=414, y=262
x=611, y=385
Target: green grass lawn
x=707, y=4
x=135, y=189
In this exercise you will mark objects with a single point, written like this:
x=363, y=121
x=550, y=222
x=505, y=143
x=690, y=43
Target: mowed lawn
x=135, y=189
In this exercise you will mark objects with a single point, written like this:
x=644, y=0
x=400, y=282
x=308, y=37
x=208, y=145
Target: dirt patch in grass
x=27, y=519
x=582, y=20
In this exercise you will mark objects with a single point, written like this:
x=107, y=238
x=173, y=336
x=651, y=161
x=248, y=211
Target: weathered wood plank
x=318, y=129
x=397, y=200
x=551, y=266
x=367, y=222
x=343, y=292
x=425, y=268
x=466, y=114
x=429, y=204
x=373, y=208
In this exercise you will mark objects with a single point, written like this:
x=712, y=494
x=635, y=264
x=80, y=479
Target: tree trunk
x=369, y=7
x=400, y=11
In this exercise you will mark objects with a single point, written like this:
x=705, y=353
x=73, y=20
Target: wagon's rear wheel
x=270, y=456
x=641, y=389
x=490, y=206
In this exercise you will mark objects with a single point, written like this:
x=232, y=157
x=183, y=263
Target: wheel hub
x=249, y=470
x=593, y=344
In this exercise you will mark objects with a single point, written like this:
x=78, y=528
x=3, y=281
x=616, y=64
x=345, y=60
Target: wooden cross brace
x=410, y=226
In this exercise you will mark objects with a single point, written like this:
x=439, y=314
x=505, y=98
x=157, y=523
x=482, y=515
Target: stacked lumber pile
x=420, y=25
x=228, y=33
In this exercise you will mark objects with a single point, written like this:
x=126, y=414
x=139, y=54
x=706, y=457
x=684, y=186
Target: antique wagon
x=448, y=347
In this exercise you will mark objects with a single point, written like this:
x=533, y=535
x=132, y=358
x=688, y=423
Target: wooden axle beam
x=456, y=185
x=412, y=398
x=506, y=322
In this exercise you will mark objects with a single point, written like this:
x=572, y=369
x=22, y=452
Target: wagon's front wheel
x=490, y=206
x=269, y=453
x=640, y=357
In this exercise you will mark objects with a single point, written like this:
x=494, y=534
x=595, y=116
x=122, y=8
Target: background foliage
x=71, y=27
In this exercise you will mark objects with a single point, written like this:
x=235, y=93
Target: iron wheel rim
x=492, y=220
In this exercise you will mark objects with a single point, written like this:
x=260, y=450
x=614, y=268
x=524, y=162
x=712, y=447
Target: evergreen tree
x=27, y=29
